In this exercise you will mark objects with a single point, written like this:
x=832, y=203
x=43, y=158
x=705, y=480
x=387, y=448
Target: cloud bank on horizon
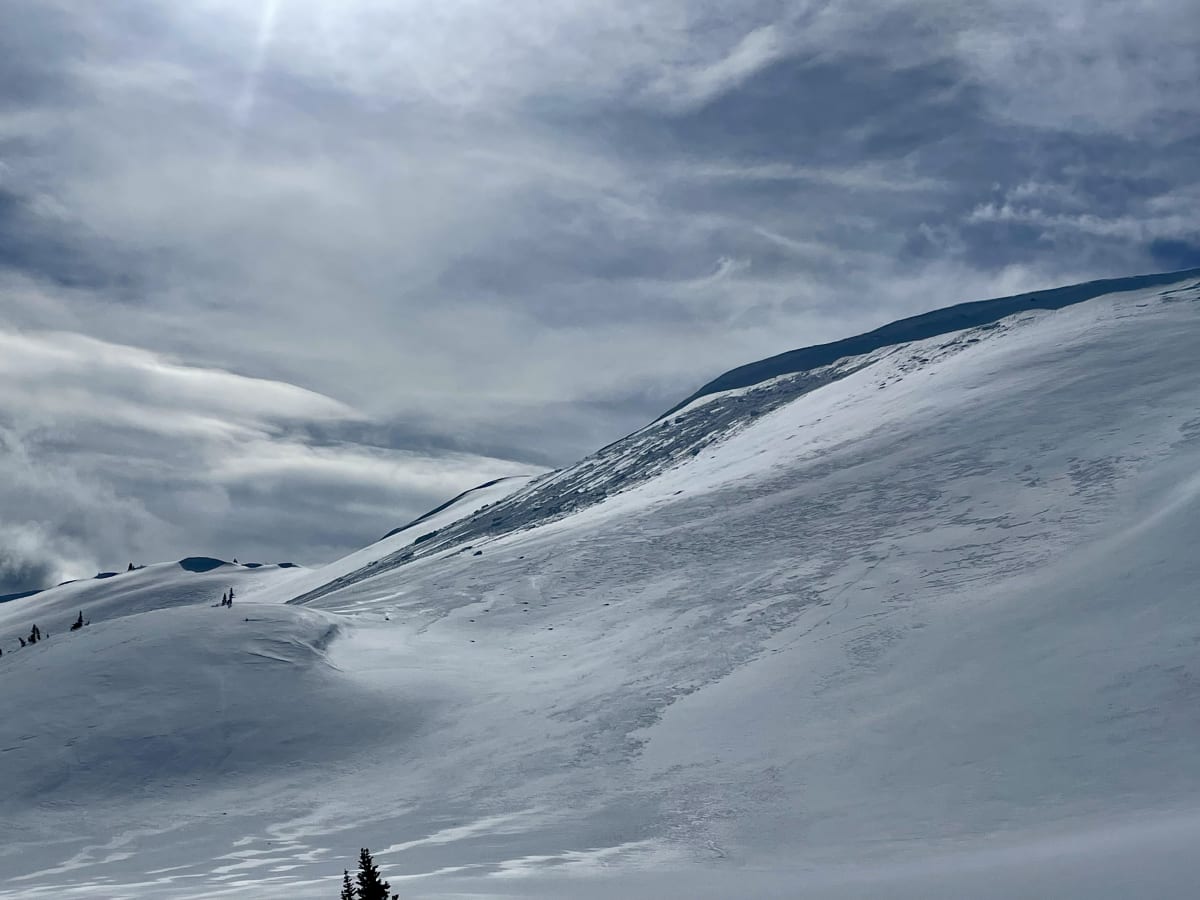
x=276, y=275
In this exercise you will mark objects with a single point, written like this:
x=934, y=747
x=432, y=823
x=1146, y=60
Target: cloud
x=359, y=235
x=25, y=563
x=695, y=86
x=1083, y=66
x=110, y=452
x=57, y=523
x=59, y=375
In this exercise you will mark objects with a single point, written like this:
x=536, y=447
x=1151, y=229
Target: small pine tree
x=370, y=885
x=349, y=892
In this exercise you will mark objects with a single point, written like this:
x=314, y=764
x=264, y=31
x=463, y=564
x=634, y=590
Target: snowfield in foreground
x=924, y=624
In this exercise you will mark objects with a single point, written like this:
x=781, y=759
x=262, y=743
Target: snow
x=922, y=624
x=936, y=323
x=396, y=541
x=195, y=580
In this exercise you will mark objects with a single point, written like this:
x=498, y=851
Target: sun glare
x=244, y=107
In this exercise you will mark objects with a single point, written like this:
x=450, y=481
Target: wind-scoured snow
x=976, y=314
x=920, y=622
x=190, y=581
x=395, y=542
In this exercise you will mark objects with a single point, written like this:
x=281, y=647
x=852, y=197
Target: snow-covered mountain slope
x=194, y=580
x=711, y=416
x=918, y=623
x=202, y=580
x=973, y=315
x=168, y=699
x=394, y=542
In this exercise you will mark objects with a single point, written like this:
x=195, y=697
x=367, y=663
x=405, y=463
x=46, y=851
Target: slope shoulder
x=938, y=322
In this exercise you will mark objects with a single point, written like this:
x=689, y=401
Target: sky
x=278, y=275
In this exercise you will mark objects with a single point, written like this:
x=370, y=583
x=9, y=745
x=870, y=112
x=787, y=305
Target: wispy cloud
x=110, y=452
x=695, y=85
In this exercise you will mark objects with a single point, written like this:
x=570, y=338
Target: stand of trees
x=368, y=884
x=36, y=634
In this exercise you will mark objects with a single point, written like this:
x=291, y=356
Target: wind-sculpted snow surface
x=191, y=581
x=919, y=625
x=397, y=543
x=977, y=314
x=733, y=401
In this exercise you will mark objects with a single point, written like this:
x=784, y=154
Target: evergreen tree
x=349, y=892
x=370, y=885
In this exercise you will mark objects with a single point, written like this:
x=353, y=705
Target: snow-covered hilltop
x=915, y=620
x=196, y=580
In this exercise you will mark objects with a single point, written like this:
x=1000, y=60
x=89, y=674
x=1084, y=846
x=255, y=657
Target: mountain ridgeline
x=975, y=314
x=734, y=400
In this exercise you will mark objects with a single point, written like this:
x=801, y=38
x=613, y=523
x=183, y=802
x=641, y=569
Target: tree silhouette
x=349, y=892
x=370, y=885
